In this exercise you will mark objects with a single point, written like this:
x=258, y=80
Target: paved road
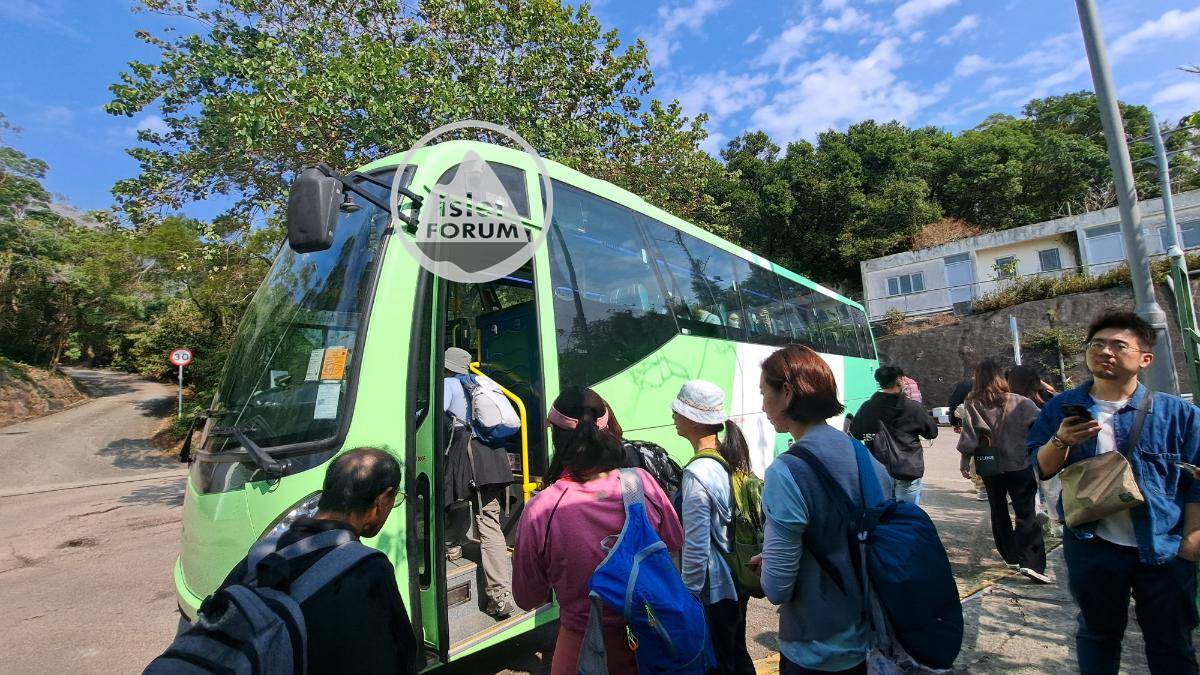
x=103, y=439
x=85, y=570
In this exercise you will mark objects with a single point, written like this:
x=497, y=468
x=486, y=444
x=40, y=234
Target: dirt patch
x=27, y=392
x=79, y=542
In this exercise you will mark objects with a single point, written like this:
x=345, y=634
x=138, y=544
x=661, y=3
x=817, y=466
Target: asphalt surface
x=89, y=520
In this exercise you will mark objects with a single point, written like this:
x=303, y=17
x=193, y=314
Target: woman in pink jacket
x=560, y=535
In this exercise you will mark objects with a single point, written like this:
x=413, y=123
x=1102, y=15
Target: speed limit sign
x=181, y=357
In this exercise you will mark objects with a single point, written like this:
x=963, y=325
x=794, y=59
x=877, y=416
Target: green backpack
x=745, y=527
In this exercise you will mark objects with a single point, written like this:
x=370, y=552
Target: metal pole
x=1016, y=338
x=1186, y=313
x=181, y=391
x=1161, y=373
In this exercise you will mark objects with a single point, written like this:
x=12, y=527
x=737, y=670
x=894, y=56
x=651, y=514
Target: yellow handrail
x=527, y=487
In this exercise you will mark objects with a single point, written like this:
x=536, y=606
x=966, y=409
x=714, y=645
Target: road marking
x=20, y=492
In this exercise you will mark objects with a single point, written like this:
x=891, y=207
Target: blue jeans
x=1102, y=575
x=909, y=490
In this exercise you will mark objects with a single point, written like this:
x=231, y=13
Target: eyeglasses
x=1117, y=347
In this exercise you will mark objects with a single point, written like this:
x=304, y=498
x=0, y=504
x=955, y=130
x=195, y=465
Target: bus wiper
x=185, y=452
x=266, y=462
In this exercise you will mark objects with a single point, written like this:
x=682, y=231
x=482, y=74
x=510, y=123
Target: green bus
x=342, y=347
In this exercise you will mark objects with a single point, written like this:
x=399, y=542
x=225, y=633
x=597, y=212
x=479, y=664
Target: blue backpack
x=664, y=623
x=902, y=563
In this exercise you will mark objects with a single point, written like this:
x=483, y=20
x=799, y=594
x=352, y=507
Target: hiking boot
x=1036, y=577
x=453, y=553
x=501, y=607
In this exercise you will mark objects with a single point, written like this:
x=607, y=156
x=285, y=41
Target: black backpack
x=901, y=462
x=247, y=628
x=653, y=458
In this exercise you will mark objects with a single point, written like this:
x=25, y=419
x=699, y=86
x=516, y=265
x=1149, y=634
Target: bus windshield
x=288, y=373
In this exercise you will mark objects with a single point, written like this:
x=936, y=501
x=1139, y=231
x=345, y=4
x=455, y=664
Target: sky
x=792, y=68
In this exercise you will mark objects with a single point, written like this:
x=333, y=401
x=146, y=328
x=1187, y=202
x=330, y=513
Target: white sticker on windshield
x=328, y=394
x=314, y=364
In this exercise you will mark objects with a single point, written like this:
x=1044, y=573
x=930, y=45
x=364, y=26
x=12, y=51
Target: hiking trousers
x=727, y=629
x=1021, y=544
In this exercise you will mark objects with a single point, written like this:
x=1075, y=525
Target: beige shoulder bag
x=1100, y=486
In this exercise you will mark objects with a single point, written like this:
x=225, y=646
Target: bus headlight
x=304, y=508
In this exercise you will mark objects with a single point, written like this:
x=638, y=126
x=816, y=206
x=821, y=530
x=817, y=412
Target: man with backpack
x=892, y=425
x=477, y=471
x=313, y=593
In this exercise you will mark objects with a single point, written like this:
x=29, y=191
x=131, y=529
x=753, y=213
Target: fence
x=959, y=298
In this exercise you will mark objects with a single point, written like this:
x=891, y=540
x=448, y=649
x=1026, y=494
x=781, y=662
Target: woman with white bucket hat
x=706, y=511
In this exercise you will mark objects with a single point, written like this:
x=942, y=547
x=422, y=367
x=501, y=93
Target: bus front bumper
x=189, y=603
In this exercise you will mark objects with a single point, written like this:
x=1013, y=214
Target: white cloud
x=836, y=90
x=833, y=5
x=965, y=25
x=916, y=36
x=849, y=21
x=971, y=64
x=57, y=115
x=914, y=11
x=721, y=94
x=44, y=15
x=1177, y=100
x=1172, y=25
x=994, y=82
x=753, y=37
x=153, y=124
x=788, y=45
x=672, y=23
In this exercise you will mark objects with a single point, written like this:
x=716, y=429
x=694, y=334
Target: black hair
x=356, y=479
x=888, y=376
x=732, y=445
x=586, y=449
x=1124, y=320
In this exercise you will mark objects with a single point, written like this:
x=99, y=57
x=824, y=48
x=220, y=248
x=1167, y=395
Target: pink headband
x=556, y=418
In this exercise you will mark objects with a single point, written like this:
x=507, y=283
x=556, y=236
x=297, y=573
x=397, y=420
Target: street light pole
x=1160, y=376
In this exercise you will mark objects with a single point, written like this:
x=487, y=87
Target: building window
x=1189, y=231
x=1050, y=260
x=1006, y=267
x=1104, y=244
x=906, y=284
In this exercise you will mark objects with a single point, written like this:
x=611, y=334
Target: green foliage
x=1028, y=289
x=892, y=320
x=1055, y=339
x=267, y=86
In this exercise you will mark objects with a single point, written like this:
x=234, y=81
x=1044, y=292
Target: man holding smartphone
x=1148, y=551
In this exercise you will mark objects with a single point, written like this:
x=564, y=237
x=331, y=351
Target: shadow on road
x=164, y=494
x=101, y=383
x=136, y=453
x=156, y=407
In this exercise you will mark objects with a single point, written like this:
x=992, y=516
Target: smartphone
x=1076, y=410
x=1191, y=468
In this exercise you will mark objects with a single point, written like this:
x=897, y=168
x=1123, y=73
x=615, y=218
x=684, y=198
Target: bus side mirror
x=312, y=211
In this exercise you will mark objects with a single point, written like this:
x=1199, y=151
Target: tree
x=270, y=85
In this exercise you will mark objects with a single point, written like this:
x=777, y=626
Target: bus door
x=497, y=323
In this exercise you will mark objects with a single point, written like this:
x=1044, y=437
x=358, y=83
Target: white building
x=946, y=277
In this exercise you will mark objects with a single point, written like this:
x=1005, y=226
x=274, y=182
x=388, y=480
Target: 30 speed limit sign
x=181, y=357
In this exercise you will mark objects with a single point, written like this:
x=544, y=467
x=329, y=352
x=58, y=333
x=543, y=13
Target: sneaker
x=453, y=553
x=1036, y=577
x=501, y=608
x=981, y=496
x=1013, y=566
x=1042, y=518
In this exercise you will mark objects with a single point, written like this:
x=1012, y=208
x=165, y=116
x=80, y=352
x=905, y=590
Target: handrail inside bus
x=527, y=487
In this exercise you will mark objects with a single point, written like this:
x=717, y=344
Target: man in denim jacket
x=1150, y=550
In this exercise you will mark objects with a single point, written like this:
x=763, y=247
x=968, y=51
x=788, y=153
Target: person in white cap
x=699, y=415
x=474, y=474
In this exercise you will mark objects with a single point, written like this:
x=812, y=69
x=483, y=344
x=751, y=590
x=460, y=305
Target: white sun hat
x=701, y=401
